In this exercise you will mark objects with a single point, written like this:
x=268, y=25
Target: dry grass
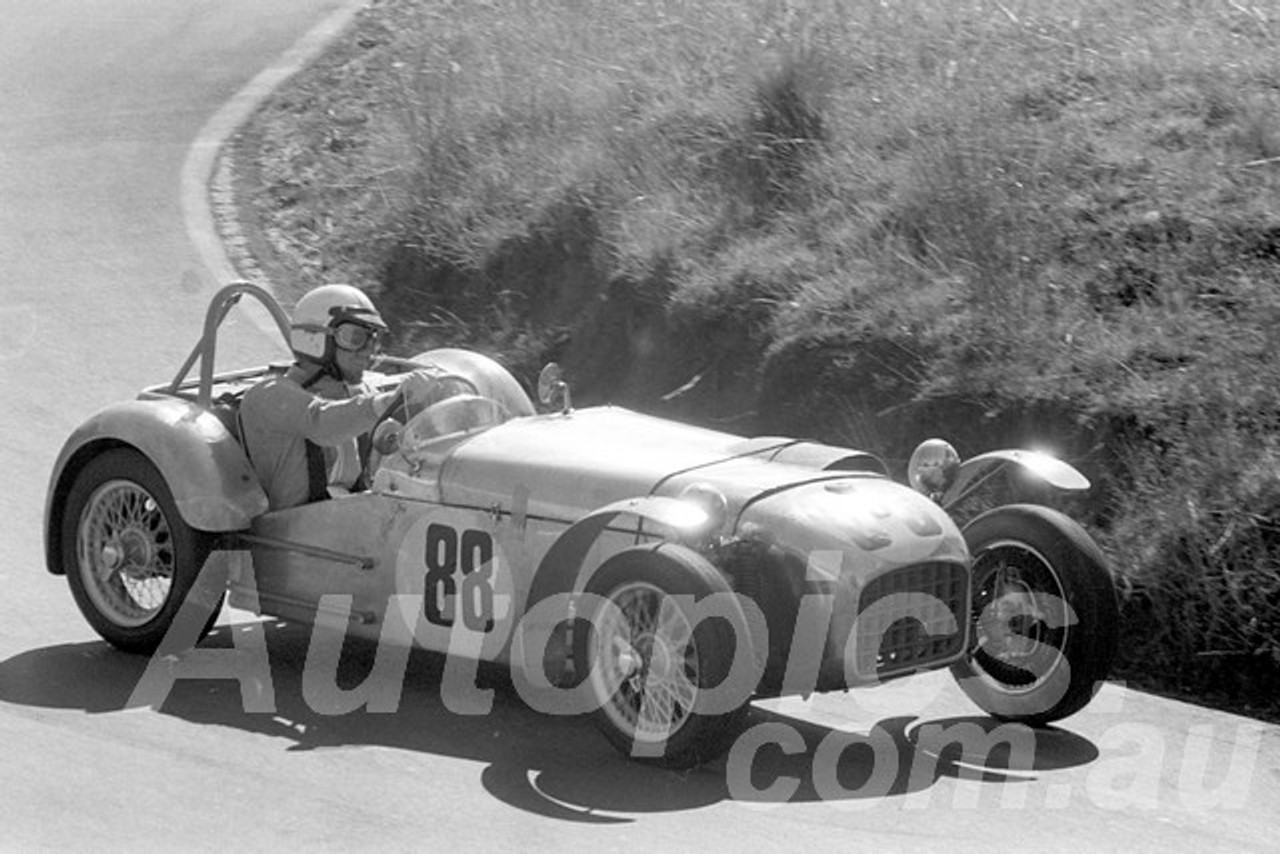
x=853, y=217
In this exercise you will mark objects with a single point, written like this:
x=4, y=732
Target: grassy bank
x=869, y=221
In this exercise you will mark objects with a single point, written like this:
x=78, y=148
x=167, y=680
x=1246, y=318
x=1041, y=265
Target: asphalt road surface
x=105, y=270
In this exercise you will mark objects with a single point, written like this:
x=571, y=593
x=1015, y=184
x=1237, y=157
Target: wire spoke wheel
x=660, y=657
x=125, y=553
x=129, y=556
x=1020, y=616
x=645, y=646
x=1045, y=622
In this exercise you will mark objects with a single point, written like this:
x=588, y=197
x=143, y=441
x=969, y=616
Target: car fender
x=1050, y=469
x=213, y=485
x=562, y=569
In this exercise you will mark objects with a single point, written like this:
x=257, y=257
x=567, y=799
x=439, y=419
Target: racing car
x=660, y=574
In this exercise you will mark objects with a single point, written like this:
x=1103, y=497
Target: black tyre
x=648, y=659
x=1045, y=617
x=129, y=557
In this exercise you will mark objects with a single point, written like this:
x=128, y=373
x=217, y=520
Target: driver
x=308, y=429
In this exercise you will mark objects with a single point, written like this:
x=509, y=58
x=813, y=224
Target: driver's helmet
x=329, y=312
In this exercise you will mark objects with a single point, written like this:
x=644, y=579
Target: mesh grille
x=911, y=617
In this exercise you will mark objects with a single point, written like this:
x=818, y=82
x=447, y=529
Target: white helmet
x=322, y=310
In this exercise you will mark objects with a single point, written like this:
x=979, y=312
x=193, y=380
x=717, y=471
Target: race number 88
x=459, y=578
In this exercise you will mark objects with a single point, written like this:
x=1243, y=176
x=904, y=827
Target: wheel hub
x=646, y=657
x=1004, y=629
x=131, y=551
x=660, y=661
x=112, y=556
x=629, y=660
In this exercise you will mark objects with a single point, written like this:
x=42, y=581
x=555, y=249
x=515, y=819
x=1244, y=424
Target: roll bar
x=222, y=303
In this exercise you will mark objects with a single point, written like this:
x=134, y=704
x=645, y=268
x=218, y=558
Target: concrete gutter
x=208, y=208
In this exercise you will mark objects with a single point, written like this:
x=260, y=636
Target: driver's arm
x=332, y=422
x=323, y=420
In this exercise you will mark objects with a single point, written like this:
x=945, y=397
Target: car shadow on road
x=554, y=766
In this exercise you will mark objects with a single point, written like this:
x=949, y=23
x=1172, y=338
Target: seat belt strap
x=317, y=476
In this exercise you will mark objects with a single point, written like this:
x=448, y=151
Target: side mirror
x=551, y=385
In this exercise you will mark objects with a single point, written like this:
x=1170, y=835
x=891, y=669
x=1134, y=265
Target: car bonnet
x=568, y=465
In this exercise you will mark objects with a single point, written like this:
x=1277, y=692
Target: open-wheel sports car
x=654, y=574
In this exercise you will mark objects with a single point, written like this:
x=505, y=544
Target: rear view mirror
x=551, y=385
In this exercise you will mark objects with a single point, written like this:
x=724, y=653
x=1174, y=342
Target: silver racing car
x=654, y=574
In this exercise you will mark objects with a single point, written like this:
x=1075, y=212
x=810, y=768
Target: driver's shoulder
x=274, y=392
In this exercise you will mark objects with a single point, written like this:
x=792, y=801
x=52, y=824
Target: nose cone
x=873, y=523
x=887, y=561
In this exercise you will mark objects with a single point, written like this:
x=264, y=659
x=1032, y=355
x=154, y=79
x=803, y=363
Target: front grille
x=911, y=617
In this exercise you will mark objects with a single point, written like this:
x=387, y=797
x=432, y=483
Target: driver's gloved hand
x=420, y=389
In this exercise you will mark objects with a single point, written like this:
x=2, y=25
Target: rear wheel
x=649, y=659
x=130, y=558
x=1045, y=618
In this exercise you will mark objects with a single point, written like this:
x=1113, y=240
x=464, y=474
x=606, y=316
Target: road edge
x=208, y=208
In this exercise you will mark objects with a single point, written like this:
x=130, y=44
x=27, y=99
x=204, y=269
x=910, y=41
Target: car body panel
x=405, y=561
x=503, y=503
x=582, y=460
x=852, y=532
x=373, y=552
x=213, y=485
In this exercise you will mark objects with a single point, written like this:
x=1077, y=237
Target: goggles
x=355, y=337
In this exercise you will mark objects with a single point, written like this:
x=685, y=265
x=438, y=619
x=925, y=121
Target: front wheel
x=130, y=558
x=1045, y=619
x=651, y=658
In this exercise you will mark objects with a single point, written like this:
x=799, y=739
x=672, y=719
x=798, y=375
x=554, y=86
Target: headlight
x=710, y=501
x=933, y=467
